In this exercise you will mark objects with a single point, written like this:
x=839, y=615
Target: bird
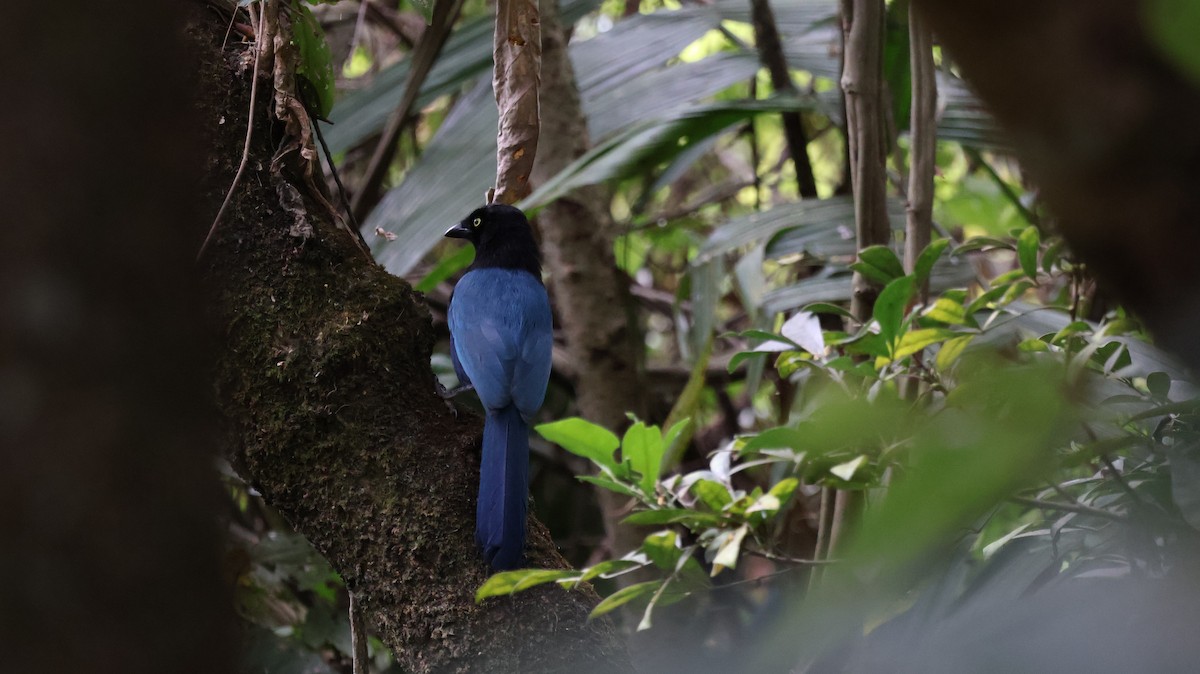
x=501, y=341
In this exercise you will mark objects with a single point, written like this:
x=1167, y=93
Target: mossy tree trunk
x=325, y=386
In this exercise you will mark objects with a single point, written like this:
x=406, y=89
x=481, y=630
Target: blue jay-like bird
x=500, y=343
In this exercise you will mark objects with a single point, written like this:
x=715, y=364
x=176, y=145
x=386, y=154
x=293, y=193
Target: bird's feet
x=447, y=394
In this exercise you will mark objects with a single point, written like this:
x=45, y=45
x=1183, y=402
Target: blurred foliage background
x=1012, y=436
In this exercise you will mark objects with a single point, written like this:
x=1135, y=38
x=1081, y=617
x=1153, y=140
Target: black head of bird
x=502, y=238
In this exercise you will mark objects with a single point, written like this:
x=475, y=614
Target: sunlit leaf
x=509, y=582
x=582, y=438
x=624, y=596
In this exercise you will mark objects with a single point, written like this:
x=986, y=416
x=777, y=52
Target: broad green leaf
x=928, y=257
x=891, y=305
x=915, y=340
x=784, y=489
x=1027, y=251
x=582, y=438
x=316, y=61
x=885, y=265
x=947, y=311
x=624, y=596
x=643, y=447
x=509, y=582
x=1159, y=385
x=689, y=518
x=767, y=503
x=826, y=308
x=741, y=357
x=782, y=437
x=663, y=549
x=951, y=350
x=674, y=441
x=713, y=494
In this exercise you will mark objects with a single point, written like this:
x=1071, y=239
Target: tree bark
x=325, y=386
x=591, y=295
x=108, y=496
x=918, y=230
x=1106, y=126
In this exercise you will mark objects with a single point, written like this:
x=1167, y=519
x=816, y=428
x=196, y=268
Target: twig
x=1004, y=187
x=788, y=560
x=423, y=56
x=1078, y=508
x=237, y=178
x=358, y=636
x=923, y=126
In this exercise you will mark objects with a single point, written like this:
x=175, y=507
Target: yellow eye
x=476, y=222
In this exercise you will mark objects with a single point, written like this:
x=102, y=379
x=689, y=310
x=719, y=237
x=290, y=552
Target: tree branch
x=329, y=405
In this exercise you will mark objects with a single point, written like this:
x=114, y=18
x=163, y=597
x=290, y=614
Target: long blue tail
x=503, y=489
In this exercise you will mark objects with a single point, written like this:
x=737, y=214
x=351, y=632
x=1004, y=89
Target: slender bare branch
x=923, y=129
x=445, y=12
x=518, y=55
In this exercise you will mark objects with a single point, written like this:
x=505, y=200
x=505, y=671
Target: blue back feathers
x=501, y=342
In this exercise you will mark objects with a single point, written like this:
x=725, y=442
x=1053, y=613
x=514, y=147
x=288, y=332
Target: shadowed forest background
x=875, y=325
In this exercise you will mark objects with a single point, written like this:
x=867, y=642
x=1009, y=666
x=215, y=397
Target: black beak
x=459, y=231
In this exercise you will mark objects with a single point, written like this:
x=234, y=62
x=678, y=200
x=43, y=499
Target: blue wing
x=502, y=337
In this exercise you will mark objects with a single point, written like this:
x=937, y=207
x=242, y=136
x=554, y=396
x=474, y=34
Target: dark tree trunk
x=1107, y=128
x=591, y=293
x=325, y=384
x=109, y=539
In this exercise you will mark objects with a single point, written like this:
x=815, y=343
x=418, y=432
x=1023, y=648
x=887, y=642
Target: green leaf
x=947, y=311
x=891, y=305
x=915, y=340
x=510, y=582
x=782, y=437
x=741, y=357
x=316, y=60
x=582, y=438
x=663, y=549
x=951, y=350
x=676, y=437
x=826, y=308
x=879, y=263
x=1159, y=385
x=624, y=596
x=643, y=447
x=609, y=484
x=1027, y=251
x=928, y=257
x=784, y=489
x=689, y=518
x=713, y=494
